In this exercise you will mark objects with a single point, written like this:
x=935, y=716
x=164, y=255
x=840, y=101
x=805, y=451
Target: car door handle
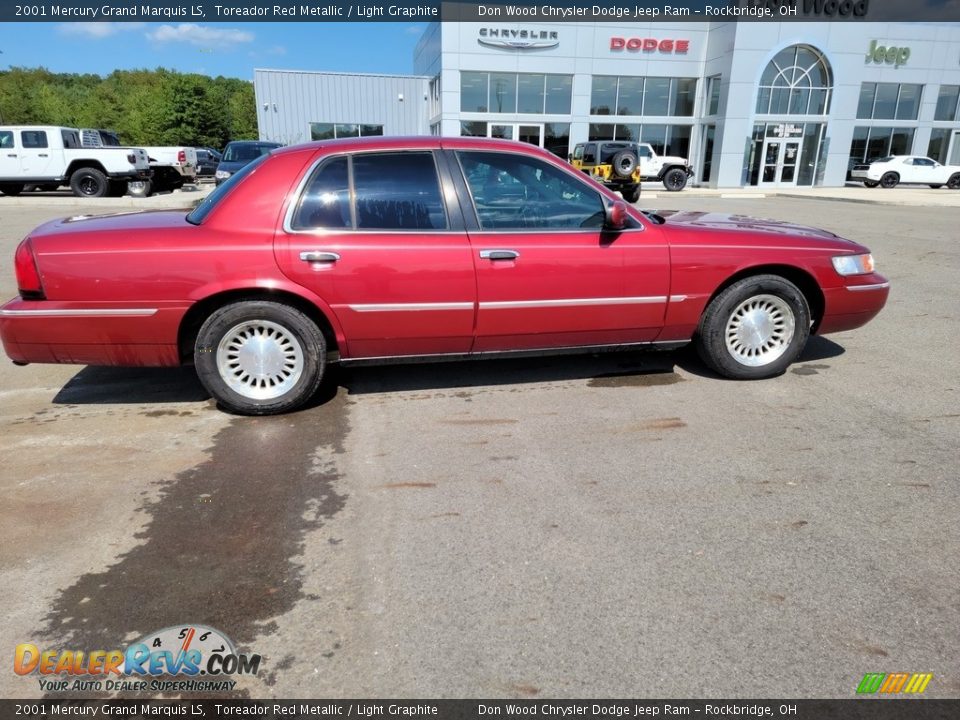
x=42, y=155
x=499, y=254
x=319, y=256
x=11, y=154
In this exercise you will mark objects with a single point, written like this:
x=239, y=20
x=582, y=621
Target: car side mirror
x=616, y=218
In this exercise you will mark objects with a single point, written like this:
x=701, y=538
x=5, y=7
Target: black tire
x=721, y=318
x=11, y=189
x=117, y=188
x=631, y=194
x=297, y=339
x=89, y=182
x=889, y=180
x=624, y=164
x=675, y=179
x=139, y=188
x=936, y=187
x=870, y=183
x=954, y=182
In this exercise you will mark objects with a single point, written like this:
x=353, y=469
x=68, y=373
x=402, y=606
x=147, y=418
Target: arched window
x=797, y=81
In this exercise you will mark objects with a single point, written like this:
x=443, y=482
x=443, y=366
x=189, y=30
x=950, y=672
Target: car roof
x=417, y=142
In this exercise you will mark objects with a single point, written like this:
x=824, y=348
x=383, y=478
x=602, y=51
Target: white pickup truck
x=173, y=166
x=49, y=156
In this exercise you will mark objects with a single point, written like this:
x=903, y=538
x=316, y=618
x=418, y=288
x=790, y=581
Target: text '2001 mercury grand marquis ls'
x=383, y=248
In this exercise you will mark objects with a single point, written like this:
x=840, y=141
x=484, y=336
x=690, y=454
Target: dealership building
x=749, y=104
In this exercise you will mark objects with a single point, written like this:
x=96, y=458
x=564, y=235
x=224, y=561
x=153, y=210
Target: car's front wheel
x=889, y=180
x=89, y=182
x=936, y=187
x=11, y=189
x=755, y=328
x=675, y=179
x=870, y=183
x=260, y=357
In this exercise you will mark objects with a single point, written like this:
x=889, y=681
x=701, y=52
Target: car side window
x=6, y=139
x=643, y=151
x=397, y=191
x=33, y=138
x=325, y=202
x=578, y=152
x=516, y=192
x=590, y=153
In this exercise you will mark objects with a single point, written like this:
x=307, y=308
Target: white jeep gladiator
x=48, y=156
x=173, y=166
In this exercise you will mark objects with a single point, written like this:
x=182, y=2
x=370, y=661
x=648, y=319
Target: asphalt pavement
x=623, y=525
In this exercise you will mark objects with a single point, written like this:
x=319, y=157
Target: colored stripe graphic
x=893, y=683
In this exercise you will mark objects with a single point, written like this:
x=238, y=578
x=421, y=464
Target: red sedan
x=377, y=248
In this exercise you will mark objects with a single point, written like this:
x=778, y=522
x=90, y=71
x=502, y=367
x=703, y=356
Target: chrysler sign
x=649, y=45
x=508, y=39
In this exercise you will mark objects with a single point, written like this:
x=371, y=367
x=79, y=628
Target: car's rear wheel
x=936, y=187
x=755, y=328
x=88, y=182
x=259, y=357
x=631, y=194
x=889, y=180
x=11, y=189
x=870, y=183
x=675, y=179
x=954, y=182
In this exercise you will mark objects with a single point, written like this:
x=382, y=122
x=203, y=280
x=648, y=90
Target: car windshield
x=246, y=152
x=200, y=212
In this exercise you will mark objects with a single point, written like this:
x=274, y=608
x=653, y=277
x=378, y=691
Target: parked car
x=622, y=166
x=893, y=170
x=207, y=161
x=173, y=165
x=240, y=152
x=47, y=157
x=368, y=249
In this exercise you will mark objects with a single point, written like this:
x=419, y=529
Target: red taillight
x=28, y=277
x=182, y=156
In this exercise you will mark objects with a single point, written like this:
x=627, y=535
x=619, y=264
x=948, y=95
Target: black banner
x=872, y=709
x=234, y=11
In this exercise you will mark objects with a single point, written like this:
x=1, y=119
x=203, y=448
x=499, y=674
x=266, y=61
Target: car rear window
x=200, y=212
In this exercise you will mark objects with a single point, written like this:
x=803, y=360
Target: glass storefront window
x=708, y=137
x=530, y=93
x=908, y=106
x=885, y=105
x=600, y=132
x=939, y=144
x=556, y=139
x=503, y=92
x=330, y=131
x=947, y=103
x=872, y=143
x=684, y=96
x=630, y=96
x=347, y=130
x=868, y=92
x=889, y=101
x=322, y=131
x=656, y=97
x=797, y=81
x=559, y=93
x=603, y=96
x=901, y=141
x=473, y=129
x=473, y=91
x=713, y=95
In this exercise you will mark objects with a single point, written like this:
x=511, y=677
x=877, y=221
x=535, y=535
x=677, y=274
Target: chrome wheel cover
x=759, y=330
x=260, y=360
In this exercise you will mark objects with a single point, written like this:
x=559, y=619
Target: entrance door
x=780, y=158
x=524, y=132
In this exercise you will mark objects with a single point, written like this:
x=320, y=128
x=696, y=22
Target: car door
x=373, y=235
x=548, y=274
x=9, y=155
x=925, y=171
x=35, y=154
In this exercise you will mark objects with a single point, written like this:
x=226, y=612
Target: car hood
x=742, y=223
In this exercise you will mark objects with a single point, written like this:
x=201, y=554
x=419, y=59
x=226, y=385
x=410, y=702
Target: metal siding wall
x=305, y=97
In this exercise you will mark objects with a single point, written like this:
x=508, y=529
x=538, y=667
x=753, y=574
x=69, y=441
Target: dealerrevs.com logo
x=151, y=664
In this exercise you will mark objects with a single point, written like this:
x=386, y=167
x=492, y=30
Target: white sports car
x=892, y=170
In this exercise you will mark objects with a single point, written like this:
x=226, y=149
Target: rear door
x=374, y=235
x=548, y=274
x=9, y=155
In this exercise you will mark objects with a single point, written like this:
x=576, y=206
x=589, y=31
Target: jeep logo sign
x=649, y=45
x=895, y=56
